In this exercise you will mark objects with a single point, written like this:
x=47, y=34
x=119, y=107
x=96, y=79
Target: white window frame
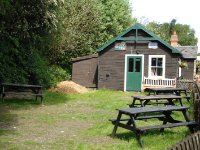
x=149, y=66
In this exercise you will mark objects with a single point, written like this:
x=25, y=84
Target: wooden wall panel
x=85, y=72
x=111, y=64
x=187, y=73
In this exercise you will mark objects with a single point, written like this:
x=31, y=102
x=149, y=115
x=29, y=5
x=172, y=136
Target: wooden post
x=197, y=109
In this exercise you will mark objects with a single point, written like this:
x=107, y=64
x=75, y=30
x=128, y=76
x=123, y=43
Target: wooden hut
x=84, y=71
x=137, y=59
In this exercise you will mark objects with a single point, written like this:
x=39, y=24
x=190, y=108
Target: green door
x=134, y=73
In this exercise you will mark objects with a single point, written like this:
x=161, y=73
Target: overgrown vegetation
x=77, y=121
x=38, y=34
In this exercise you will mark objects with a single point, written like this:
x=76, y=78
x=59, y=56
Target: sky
x=184, y=11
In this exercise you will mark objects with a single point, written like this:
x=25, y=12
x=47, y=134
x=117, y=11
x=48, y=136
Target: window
x=130, y=65
x=137, y=64
x=157, y=66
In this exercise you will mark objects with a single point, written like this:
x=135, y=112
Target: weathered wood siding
x=111, y=63
x=188, y=73
x=84, y=72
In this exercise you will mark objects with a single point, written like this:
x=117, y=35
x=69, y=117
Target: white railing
x=159, y=82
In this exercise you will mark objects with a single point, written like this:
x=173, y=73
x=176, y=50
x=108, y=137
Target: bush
x=57, y=74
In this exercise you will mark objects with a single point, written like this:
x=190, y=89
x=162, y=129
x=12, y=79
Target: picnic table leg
x=180, y=100
x=168, y=118
x=145, y=103
x=170, y=101
x=2, y=98
x=137, y=133
x=116, y=124
x=165, y=120
x=188, y=120
x=41, y=99
x=2, y=94
x=133, y=103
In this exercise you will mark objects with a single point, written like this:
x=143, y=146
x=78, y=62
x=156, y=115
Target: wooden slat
x=192, y=142
x=139, y=118
x=166, y=126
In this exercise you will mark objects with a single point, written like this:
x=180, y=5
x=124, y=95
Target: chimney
x=174, y=39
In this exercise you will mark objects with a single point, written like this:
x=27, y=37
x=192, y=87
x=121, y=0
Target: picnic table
x=20, y=89
x=176, y=91
x=145, y=100
x=164, y=114
x=157, y=91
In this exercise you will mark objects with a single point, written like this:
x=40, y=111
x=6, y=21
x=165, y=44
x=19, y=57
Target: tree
x=25, y=26
x=86, y=25
x=186, y=35
x=38, y=34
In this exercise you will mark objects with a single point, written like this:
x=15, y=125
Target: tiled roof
x=188, y=52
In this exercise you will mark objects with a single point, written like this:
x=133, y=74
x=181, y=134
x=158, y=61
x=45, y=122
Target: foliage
x=37, y=34
x=25, y=32
x=57, y=74
x=198, y=64
x=86, y=25
x=116, y=17
x=183, y=64
x=186, y=35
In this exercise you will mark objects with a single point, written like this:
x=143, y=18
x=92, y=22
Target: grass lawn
x=76, y=121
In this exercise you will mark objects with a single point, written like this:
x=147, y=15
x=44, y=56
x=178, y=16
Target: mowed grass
x=76, y=121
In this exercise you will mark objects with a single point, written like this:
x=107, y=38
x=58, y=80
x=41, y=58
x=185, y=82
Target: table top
x=20, y=85
x=157, y=97
x=134, y=110
x=166, y=89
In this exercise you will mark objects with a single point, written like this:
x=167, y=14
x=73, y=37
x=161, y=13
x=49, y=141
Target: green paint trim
x=136, y=27
x=136, y=39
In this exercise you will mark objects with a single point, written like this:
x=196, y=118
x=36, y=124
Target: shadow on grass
x=52, y=98
x=49, y=98
x=127, y=136
x=17, y=103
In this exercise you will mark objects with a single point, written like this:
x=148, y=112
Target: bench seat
x=142, y=129
x=138, y=118
x=23, y=93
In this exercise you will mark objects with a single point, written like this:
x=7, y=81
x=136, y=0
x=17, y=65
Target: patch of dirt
x=103, y=140
x=69, y=87
x=68, y=130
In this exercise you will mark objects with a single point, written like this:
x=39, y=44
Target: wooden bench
x=145, y=100
x=21, y=89
x=162, y=113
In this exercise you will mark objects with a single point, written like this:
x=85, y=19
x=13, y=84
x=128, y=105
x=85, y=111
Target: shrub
x=57, y=74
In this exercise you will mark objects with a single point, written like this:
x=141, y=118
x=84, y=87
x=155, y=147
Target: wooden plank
x=139, y=118
x=133, y=111
x=166, y=126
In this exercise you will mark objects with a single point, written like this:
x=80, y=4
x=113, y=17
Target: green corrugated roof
x=136, y=27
